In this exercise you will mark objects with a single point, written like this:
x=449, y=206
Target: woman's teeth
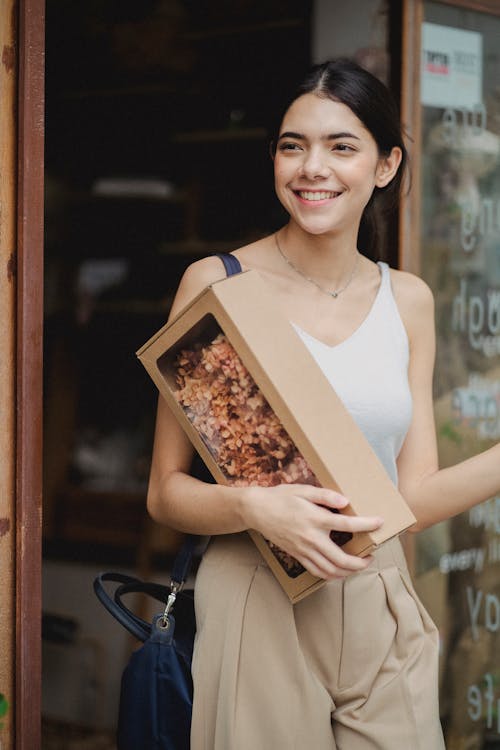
x=316, y=196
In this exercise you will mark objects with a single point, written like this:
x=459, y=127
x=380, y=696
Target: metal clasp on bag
x=175, y=588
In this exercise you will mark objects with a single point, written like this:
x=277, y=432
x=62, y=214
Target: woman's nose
x=315, y=164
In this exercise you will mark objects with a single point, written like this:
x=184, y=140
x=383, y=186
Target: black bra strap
x=231, y=263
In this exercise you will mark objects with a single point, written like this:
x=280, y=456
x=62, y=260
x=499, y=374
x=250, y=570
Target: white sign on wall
x=452, y=67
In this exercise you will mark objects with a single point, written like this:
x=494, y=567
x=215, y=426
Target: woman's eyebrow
x=336, y=136
x=289, y=134
x=329, y=137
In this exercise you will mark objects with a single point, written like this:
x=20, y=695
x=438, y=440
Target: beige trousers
x=352, y=666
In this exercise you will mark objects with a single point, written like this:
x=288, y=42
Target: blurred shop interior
x=157, y=127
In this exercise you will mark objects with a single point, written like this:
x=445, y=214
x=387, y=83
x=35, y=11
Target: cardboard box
x=302, y=409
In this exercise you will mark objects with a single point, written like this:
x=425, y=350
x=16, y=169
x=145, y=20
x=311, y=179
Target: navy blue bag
x=156, y=694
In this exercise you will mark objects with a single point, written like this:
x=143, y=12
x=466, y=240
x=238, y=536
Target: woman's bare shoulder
x=410, y=289
x=195, y=279
x=207, y=270
x=256, y=255
x=202, y=273
x=414, y=299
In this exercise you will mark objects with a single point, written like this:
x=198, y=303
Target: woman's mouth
x=316, y=196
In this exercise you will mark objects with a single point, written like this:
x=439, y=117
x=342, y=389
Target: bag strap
x=183, y=560
x=231, y=263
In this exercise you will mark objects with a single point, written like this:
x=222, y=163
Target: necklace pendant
x=334, y=294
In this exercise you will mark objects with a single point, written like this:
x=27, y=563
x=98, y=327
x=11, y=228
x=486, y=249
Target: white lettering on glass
x=483, y=704
x=478, y=317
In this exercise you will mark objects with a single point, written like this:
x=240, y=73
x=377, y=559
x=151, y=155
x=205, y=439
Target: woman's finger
x=346, y=522
x=320, y=567
x=342, y=559
x=321, y=496
x=335, y=501
x=323, y=567
x=322, y=548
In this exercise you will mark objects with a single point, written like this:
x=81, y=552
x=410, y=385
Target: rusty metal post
x=8, y=208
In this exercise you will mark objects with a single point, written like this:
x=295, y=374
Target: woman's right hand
x=298, y=518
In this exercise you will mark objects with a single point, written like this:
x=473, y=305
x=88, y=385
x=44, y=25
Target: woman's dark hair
x=344, y=81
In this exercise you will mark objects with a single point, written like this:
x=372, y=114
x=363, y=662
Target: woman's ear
x=387, y=167
x=272, y=150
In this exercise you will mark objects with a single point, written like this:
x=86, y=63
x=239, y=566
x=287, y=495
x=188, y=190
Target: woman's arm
x=434, y=494
x=295, y=517
x=174, y=498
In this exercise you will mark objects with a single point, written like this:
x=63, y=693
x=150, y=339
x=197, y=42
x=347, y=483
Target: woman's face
x=327, y=165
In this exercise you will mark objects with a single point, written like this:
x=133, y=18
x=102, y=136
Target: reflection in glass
x=458, y=571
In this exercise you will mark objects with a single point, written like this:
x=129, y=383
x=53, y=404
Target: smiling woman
x=327, y=158
x=316, y=674
x=375, y=117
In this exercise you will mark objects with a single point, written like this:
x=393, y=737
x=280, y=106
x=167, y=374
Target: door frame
x=29, y=381
x=28, y=321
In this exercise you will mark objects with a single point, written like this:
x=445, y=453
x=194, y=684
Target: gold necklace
x=335, y=293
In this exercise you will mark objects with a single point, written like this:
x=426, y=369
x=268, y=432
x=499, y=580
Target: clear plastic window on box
x=234, y=420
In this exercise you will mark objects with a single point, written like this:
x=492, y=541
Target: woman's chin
x=315, y=226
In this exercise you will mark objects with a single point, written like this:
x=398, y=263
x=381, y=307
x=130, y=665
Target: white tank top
x=369, y=372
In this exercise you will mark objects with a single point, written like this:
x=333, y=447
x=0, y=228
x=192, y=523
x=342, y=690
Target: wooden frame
x=29, y=373
x=8, y=134
x=28, y=396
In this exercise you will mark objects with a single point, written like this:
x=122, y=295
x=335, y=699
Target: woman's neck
x=327, y=256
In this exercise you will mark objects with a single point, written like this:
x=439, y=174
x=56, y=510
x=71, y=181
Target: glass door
x=456, y=234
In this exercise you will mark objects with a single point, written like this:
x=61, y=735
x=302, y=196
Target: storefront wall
x=456, y=235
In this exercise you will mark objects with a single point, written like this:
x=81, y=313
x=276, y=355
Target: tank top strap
x=385, y=274
x=389, y=311
x=386, y=294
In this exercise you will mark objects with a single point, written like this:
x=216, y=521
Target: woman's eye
x=342, y=147
x=289, y=147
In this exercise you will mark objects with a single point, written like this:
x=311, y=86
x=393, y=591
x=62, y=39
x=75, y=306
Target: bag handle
x=138, y=627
